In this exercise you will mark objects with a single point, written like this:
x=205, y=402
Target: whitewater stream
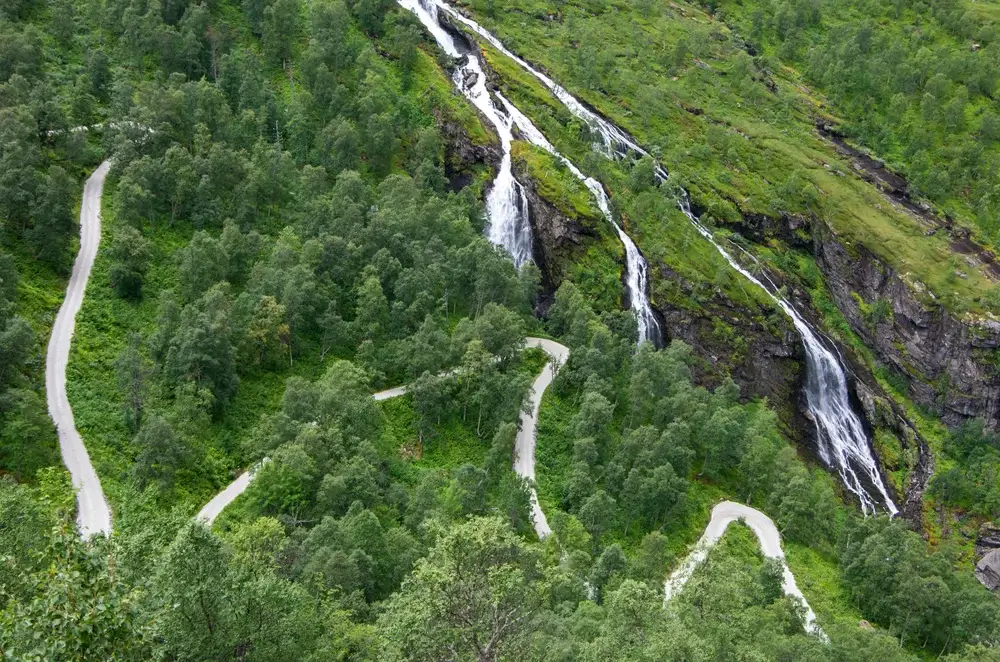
x=506, y=205
x=843, y=443
x=637, y=272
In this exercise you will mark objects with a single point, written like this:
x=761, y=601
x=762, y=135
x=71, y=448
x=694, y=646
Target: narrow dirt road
x=93, y=514
x=524, y=450
x=763, y=527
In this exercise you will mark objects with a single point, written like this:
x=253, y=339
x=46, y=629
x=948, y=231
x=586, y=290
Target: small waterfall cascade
x=843, y=443
x=637, y=271
x=506, y=203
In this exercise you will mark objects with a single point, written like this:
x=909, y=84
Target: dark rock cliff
x=950, y=364
x=557, y=237
x=763, y=355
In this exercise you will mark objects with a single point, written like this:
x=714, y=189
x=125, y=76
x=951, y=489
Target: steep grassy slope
x=739, y=136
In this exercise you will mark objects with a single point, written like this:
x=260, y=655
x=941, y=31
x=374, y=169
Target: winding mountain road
x=524, y=448
x=93, y=514
x=763, y=527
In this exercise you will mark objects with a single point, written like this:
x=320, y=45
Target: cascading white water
x=506, y=204
x=616, y=143
x=637, y=271
x=843, y=443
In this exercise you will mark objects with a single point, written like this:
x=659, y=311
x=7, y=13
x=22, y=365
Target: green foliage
x=475, y=595
x=129, y=253
x=971, y=482
x=916, y=95
x=209, y=603
x=26, y=432
x=919, y=598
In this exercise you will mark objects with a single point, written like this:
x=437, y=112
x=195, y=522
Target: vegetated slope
x=916, y=82
x=723, y=121
x=740, y=134
x=740, y=137
x=46, y=86
x=347, y=264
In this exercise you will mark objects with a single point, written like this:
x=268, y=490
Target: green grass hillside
x=739, y=134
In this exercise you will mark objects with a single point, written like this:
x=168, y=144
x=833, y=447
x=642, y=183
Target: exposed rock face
x=988, y=570
x=988, y=555
x=988, y=538
x=462, y=156
x=917, y=459
x=949, y=362
x=764, y=356
x=556, y=237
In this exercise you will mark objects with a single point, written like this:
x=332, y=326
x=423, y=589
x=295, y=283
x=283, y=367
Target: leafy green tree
x=16, y=344
x=500, y=457
x=592, y=420
x=210, y=606
x=653, y=558
x=501, y=332
x=355, y=480
x=611, y=562
x=254, y=10
x=201, y=350
x=286, y=484
x=27, y=435
x=428, y=348
x=133, y=370
x=130, y=254
x=75, y=609
x=201, y=264
x=597, y=514
x=476, y=596
x=160, y=453
x=466, y=495
x=432, y=400
x=371, y=317
x=52, y=227
x=267, y=332
x=371, y=14
x=512, y=497
x=281, y=28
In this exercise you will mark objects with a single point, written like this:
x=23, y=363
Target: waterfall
x=506, y=204
x=637, y=271
x=843, y=444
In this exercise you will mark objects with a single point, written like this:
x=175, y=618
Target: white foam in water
x=637, y=271
x=506, y=204
x=843, y=443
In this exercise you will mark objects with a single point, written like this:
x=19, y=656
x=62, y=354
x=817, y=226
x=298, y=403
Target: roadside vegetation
x=289, y=227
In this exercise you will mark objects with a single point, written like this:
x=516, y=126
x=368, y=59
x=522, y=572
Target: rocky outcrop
x=760, y=350
x=949, y=363
x=557, y=238
x=915, y=458
x=988, y=556
x=988, y=570
x=462, y=156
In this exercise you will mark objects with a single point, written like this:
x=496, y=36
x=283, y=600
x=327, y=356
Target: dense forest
x=295, y=220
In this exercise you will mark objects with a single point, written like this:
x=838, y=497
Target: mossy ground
x=710, y=118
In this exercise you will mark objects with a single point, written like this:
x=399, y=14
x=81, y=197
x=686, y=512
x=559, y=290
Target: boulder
x=988, y=570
